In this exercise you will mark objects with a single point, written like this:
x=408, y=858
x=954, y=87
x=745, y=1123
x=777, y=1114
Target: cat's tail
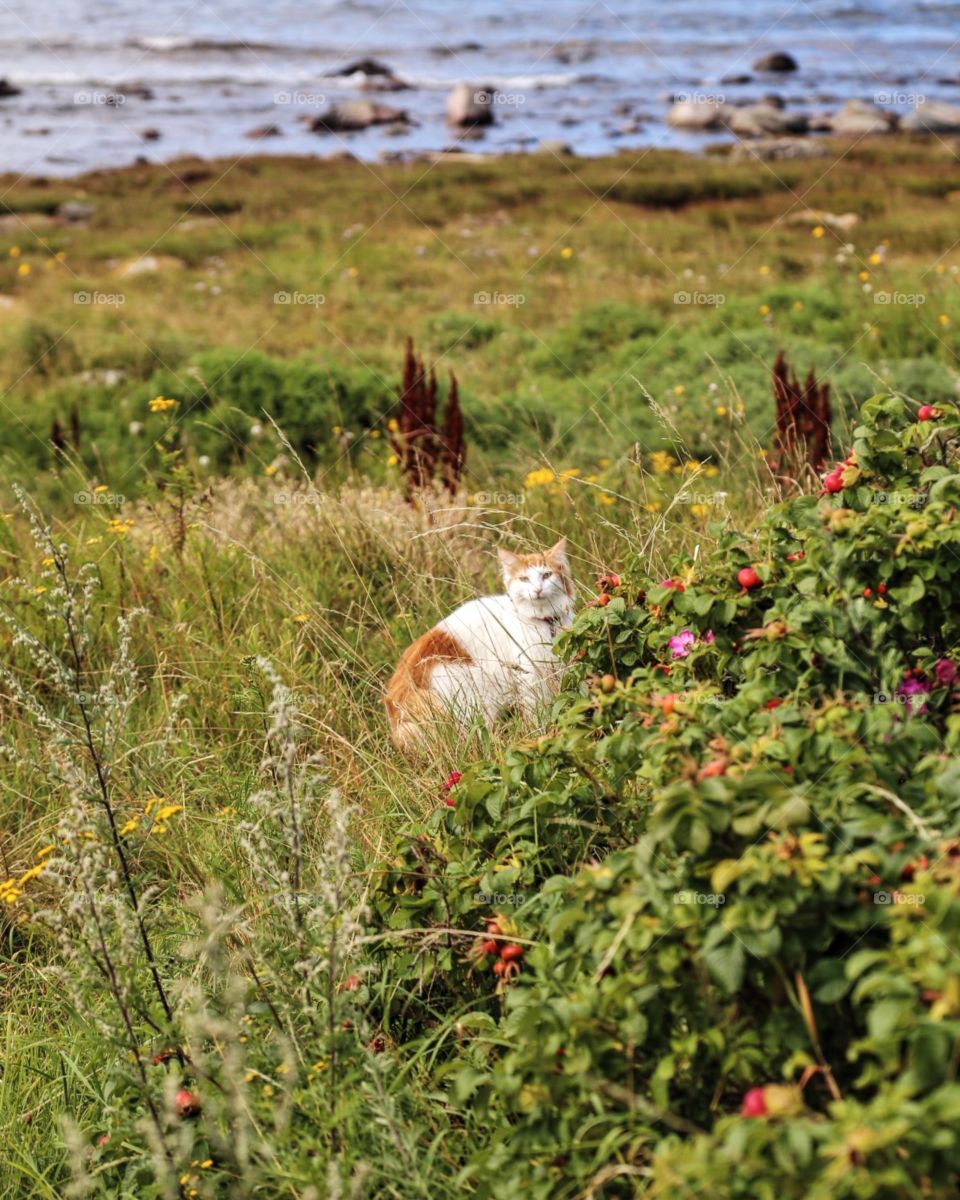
x=413, y=707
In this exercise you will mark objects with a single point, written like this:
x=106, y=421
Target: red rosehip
x=833, y=482
x=188, y=1103
x=450, y=802
x=603, y=599
x=511, y=953
x=867, y=593
x=754, y=1103
x=499, y=967
x=795, y=556
x=493, y=927
x=350, y=984
x=927, y=412
x=490, y=946
x=881, y=589
x=748, y=578
x=774, y=703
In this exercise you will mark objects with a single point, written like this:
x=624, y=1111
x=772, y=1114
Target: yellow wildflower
x=721, y=410
x=161, y=404
x=798, y=306
x=301, y=618
x=653, y=506
x=763, y=309
x=23, y=269
x=818, y=231
x=129, y=826
x=605, y=499
x=661, y=462
x=863, y=276
x=539, y=477
x=566, y=252
x=45, y=850
x=393, y=424
x=100, y=489
x=679, y=390
x=943, y=319
x=168, y=811
x=875, y=259
x=764, y=270
x=392, y=460
x=699, y=510
x=14, y=251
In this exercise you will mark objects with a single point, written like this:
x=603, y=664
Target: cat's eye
x=547, y=574
x=524, y=578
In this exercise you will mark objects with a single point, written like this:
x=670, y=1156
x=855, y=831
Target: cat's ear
x=508, y=560
x=558, y=553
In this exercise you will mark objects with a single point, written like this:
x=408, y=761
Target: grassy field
x=612, y=324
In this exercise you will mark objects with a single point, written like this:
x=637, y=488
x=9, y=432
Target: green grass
x=598, y=250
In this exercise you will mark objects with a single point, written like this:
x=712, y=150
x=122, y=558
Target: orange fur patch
x=408, y=699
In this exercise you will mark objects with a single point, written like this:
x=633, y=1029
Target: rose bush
x=734, y=871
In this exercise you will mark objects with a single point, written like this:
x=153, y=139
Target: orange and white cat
x=490, y=655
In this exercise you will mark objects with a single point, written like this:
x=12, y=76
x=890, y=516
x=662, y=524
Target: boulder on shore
x=778, y=61
x=858, y=117
x=469, y=104
x=934, y=116
x=353, y=115
x=9, y=89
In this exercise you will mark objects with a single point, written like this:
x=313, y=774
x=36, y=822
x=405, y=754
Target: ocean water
x=598, y=76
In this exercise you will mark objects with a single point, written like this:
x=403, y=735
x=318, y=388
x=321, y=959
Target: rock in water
x=264, y=131
x=934, y=116
x=779, y=60
x=355, y=114
x=8, y=89
x=763, y=119
x=859, y=117
x=698, y=114
x=468, y=104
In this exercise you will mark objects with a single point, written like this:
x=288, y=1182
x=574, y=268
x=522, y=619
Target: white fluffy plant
x=78, y=692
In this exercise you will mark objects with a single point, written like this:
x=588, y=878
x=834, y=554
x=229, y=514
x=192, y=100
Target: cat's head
x=538, y=584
